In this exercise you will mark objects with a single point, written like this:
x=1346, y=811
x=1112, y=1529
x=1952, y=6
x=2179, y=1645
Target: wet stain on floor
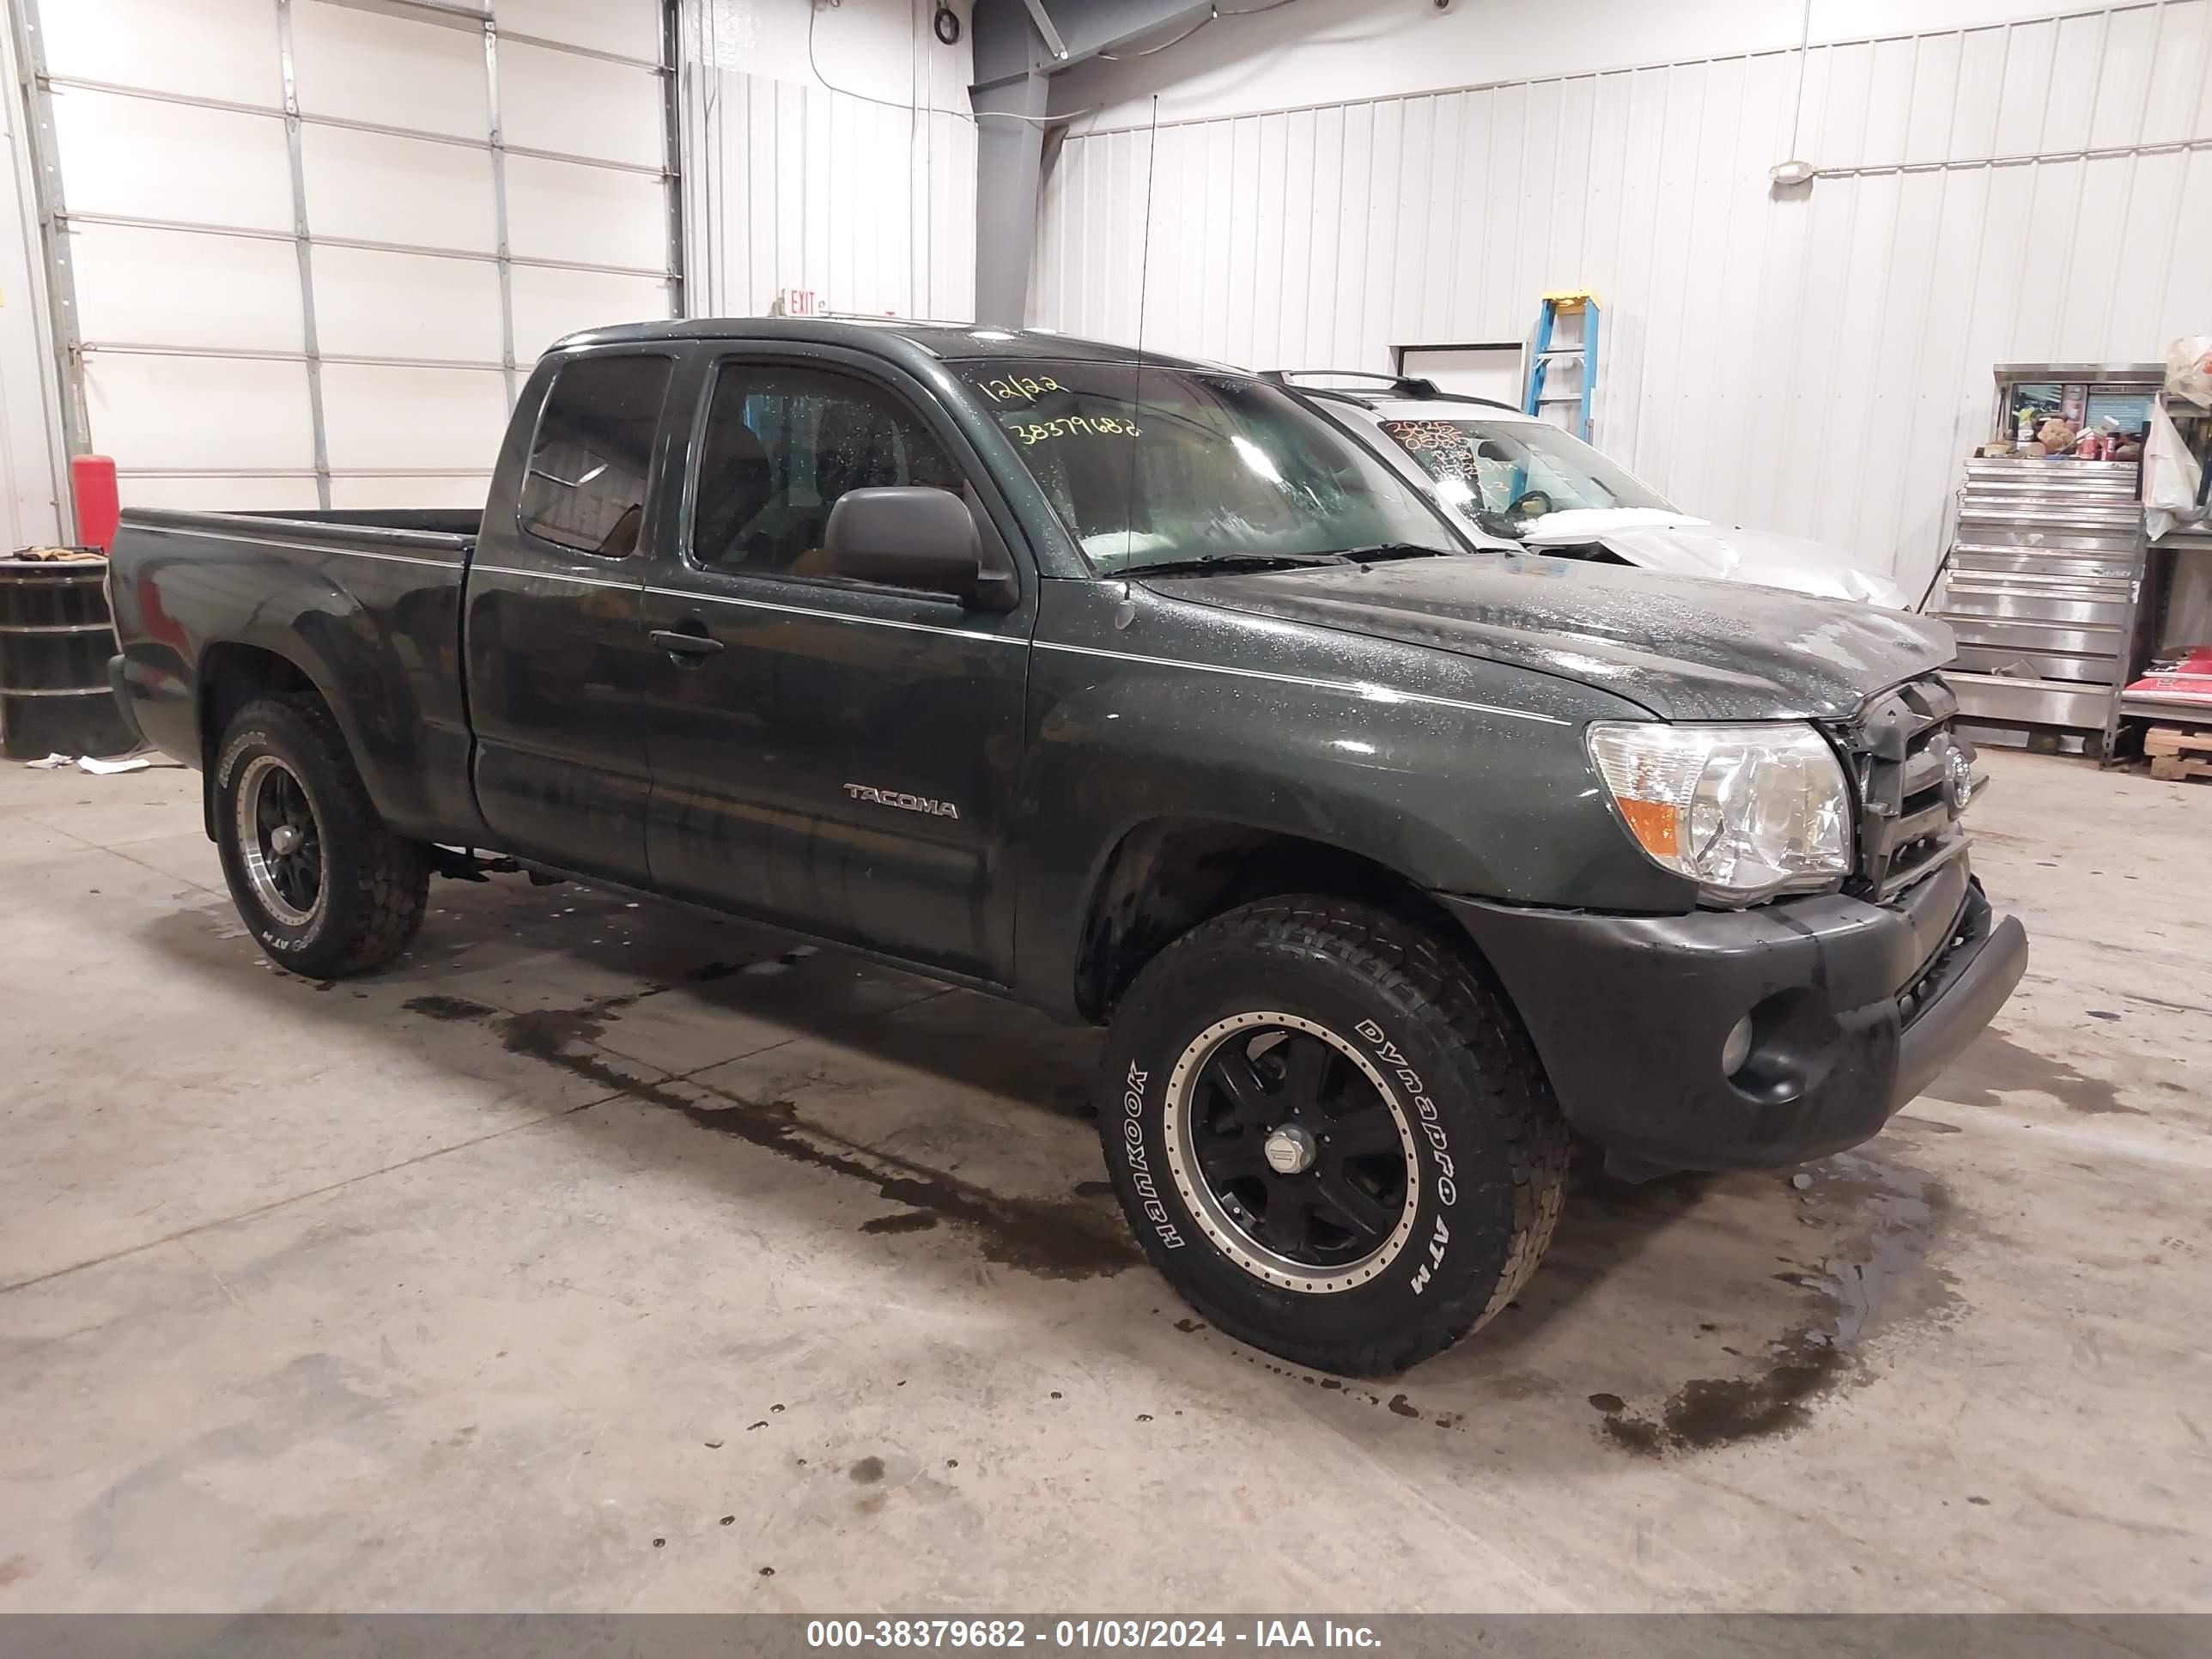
x=544, y=1032
x=1878, y=1277
x=906, y=1221
x=1883, y=1216
x=1717, y=1411
x=449, y=1009
x=1996, y=1066
x=1634, y=1434
x=1063, y=1238
x=1052, y=1238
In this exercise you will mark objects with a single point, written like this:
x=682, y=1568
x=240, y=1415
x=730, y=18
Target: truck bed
x=413, y=520
x=212, y=609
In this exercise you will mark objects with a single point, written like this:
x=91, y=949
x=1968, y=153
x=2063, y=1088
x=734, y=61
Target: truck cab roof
x=1389, y=397
x=890, y=336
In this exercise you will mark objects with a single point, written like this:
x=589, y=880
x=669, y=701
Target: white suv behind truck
x=1517, y=482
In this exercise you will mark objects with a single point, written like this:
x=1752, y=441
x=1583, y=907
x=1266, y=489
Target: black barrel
x=56, y=637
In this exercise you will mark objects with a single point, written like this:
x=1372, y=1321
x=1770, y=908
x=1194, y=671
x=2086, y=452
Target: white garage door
x=310, y=248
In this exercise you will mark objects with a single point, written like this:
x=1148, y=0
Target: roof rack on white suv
x=1331, y=382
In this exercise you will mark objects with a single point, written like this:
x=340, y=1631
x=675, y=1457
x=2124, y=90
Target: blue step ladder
x=1562, y=362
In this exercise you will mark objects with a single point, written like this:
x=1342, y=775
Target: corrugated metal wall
x=871, y=207
x=1815, y=361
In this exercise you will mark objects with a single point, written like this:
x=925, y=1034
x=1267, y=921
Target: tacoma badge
x=922, y=803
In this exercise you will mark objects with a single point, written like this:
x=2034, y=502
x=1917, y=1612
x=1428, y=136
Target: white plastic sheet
x=2170, y=476
x=2189, y=369
x=94, y=764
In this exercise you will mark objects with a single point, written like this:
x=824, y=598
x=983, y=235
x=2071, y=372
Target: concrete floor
x=602, y=1257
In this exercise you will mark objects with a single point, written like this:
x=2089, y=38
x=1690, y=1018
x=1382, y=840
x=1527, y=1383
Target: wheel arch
x=1167, y=874
x=232, y=675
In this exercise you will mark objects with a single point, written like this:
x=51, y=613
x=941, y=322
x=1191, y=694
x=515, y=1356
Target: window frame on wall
x=290, y=474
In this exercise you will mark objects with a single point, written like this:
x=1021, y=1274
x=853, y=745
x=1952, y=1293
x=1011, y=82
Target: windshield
x=1206, y=467
x=1488, y=466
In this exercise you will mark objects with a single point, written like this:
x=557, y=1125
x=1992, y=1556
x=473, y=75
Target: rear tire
x=1331, y=1134
x=320, y=880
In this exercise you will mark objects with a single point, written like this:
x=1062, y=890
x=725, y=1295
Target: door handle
x=683, y=643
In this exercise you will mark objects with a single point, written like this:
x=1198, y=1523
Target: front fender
x=1459, y=776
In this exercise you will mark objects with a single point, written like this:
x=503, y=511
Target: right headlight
x=1745, y=811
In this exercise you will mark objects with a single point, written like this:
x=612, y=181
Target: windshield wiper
x=1385, y=551
x=1245, y=561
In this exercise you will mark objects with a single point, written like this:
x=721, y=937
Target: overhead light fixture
x=1791, y=173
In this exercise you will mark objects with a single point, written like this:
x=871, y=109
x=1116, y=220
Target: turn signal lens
x=1654, y=823
x=1745, y=811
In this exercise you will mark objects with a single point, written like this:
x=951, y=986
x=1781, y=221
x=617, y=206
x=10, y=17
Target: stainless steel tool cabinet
x=2041, y=585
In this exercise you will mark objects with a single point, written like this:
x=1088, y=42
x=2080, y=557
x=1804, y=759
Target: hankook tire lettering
x=1140, y=1170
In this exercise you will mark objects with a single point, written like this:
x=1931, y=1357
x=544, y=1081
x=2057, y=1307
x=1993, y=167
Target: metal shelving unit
x=2163, y=570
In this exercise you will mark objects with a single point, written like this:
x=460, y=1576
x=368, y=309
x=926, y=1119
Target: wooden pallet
x=2178, y=751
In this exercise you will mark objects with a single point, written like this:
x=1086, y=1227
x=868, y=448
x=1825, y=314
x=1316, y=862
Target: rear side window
x=584, y=489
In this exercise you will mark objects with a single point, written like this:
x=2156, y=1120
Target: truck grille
x=1914, y=777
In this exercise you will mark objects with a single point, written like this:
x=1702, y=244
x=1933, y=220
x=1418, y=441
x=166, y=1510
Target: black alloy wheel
x=1300, y=1150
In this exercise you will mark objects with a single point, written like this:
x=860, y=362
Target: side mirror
x=910, y=536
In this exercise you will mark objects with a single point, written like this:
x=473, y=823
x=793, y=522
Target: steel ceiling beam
x=1019, y=44
x=1086, y=28
x=1042, y=18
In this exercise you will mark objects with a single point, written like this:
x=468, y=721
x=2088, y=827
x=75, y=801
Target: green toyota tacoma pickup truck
x=1135, y=689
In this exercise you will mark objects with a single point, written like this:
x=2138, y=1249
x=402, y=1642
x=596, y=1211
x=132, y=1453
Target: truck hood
x=1687, y=546
x=1683, y=648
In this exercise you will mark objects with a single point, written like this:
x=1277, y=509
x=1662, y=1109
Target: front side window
x=1158, y=466
x=783, y=442
x=589, y=464
x=1486, y=466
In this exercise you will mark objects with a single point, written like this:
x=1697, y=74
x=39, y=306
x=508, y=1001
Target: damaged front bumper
x=1855, y=1008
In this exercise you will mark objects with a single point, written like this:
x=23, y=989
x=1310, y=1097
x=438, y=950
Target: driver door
x=836, y=754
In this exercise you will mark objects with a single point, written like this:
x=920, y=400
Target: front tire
x=1331, y=1134
x=320, y=880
